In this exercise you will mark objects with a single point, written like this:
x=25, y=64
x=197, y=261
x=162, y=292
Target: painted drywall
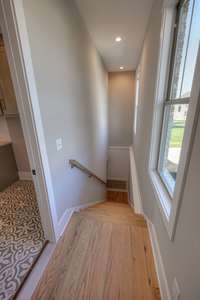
x=107, y=19
x=118, y=163
x=8, y=174
x=181, y=257
x=11, y=130
x=18, y=143
x=121, y=99
x=72, y=84
x=4, y=132
x=121, y=102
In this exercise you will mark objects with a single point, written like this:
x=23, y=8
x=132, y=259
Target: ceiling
x=107, y=19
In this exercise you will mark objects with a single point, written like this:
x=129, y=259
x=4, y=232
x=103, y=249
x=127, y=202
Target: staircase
x=105, y=253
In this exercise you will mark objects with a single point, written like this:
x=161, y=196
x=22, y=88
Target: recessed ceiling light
x=121, y=68
x=118, y=39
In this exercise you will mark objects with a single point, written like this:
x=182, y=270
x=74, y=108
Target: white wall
x=118, y=163
x=72, y=87
x=121, y=102
x=181, y=257
x=121, y=99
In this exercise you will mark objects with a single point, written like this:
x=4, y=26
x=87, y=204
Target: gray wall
x=121, y=99
x=8, y=172
x=18, y=143
x=182, y=256
x=4, y=133
x=72, y=87
x=11, y=130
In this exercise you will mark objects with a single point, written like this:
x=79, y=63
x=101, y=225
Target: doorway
x=22, y=237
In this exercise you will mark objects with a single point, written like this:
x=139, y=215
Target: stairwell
x=105, y=253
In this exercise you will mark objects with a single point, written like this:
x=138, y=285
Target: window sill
x=163, y=199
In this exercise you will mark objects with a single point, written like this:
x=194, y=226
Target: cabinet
x=9, y=173
x=8, y=102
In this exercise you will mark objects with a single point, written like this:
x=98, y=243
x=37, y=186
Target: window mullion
x=163, y=136
x=177, y=101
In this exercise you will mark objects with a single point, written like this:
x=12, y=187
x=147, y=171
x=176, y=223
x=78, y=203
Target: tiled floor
x=21, y=236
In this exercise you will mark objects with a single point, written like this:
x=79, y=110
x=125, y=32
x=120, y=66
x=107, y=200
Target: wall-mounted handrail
x=75, y=164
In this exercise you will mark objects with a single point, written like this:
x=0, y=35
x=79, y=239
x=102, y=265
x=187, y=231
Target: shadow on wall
x=121, y=106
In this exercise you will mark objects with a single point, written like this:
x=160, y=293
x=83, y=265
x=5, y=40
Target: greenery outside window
x=182, y=67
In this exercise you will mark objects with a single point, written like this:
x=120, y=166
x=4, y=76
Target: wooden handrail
x=75, y=164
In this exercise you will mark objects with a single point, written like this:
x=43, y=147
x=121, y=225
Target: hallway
x=108, y=106
x=105, y=253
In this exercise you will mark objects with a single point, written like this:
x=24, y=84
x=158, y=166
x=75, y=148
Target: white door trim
x=25, y=175
x=14, y=30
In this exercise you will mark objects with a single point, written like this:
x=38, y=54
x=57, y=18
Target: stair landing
x=104, y=254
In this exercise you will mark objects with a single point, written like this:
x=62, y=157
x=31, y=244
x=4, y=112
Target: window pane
x=172, y=138
x=191, y=52
x=184, y=24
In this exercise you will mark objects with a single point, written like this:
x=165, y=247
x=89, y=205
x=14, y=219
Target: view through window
x=183, y=61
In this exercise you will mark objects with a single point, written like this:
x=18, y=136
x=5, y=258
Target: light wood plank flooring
x=117, y=196
x=105, y=254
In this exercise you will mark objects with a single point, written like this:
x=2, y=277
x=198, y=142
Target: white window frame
x=169, y=208
x=137, y=94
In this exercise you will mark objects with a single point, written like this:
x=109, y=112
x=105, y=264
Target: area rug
x=21, y=236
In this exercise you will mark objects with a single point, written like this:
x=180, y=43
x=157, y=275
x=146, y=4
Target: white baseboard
x=137, y=207
x=131, y=205
x=63, y=222
x=160, y=271
x=38, y=270
x=65, y=219
x=83, y=206
x=25, y=175
x=135, y=185
x=162, y=279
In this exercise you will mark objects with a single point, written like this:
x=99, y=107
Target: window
x=177, y=102
x=175, y=111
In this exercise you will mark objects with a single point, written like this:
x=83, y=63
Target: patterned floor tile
x=21, y=236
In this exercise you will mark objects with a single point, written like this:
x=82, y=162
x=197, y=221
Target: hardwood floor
x=105, y=254
x=117, y=196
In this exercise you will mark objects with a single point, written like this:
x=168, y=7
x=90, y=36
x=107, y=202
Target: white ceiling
x=106, y=19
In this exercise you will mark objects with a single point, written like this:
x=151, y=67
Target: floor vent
x=117, y=184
